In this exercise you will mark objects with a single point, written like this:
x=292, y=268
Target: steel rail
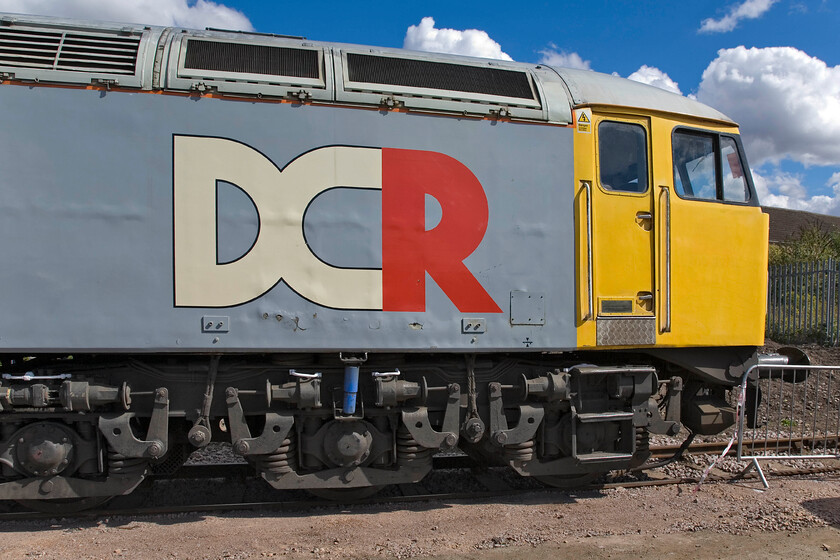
x=244, y=470
x=660, y=451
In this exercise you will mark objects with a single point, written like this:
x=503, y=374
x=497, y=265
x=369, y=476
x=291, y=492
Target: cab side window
x=622, y=158
x=708, y=166
x=735, y=187
x=694, y=166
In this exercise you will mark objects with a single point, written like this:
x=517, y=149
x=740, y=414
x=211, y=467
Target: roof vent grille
x=34, y=49
x=81, y=52
x=427, y=74
x=94, y=53
x=243, y=58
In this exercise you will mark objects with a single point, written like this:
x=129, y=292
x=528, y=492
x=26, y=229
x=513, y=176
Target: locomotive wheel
x=344, y=494
x=567, y=480
x=65, y=506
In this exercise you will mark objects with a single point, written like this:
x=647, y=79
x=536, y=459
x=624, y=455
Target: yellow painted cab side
x=707, y=259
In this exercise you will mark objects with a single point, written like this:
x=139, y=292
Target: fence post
x=832, y=298
x=803, y=301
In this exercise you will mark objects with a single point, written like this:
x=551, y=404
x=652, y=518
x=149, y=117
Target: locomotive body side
x=341, y=259
x=96, y=221
x=351, y=265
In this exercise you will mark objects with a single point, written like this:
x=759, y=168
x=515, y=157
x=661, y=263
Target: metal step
x=616, y=416
x=603, y=456
x=602, y=370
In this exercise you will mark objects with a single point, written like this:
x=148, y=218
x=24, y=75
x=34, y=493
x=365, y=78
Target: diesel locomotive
x=344, y=259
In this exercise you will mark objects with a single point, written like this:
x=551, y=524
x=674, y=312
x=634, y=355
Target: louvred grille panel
x=438, y=75
x=28, y=48
x=243, y=58
x=68, y=51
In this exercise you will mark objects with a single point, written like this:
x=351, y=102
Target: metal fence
x=803, y=302
x=789, y=412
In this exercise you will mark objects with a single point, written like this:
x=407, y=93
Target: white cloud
x=562, y=59
x=785, y=190
x=749, y=9
x=787, y=103
x=180, y=13
x=655, y=77
x=470, y=42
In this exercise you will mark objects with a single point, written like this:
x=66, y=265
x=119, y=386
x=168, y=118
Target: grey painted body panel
x=86, y=197
x=86, y=226
x=160, y=65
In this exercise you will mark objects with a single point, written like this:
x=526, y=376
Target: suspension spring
x=120, y=465
x=642, y=441
x=409, y=452
x=282, y=460
x=519, y=451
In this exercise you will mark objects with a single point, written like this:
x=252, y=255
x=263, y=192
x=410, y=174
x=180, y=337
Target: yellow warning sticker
x=584, y=120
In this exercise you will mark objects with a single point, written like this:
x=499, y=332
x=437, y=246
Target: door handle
x=644, y=220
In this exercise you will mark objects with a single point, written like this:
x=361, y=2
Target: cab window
x=694, y=166
x=735, y=187
x=708, y=166
x=622, y=158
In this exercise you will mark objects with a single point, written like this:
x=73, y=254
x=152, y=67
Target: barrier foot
x=745, y=470
x=760, y=473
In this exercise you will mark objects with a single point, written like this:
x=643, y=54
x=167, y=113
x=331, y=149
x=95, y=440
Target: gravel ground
x=793, y=519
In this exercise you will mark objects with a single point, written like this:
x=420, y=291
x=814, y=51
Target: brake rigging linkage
x=473, y=427
x=200, y=434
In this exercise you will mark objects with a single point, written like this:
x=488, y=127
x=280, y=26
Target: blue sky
x=614, y=36
x=772, y=65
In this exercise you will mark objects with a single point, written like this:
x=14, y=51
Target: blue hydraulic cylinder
x=351, y=388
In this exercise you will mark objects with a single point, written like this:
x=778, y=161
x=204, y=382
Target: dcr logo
x=280, y=250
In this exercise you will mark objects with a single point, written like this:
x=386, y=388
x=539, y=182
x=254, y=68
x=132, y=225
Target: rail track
x=485, y=483
x=717, y=447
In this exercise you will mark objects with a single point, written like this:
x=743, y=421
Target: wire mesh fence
x=790, y=412
x=803, y=302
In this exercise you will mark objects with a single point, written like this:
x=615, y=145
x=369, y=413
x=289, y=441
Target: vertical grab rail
x=666, y=323
x=590, y=291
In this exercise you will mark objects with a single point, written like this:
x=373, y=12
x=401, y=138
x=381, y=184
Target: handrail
x=666, y=322
x=590, y=290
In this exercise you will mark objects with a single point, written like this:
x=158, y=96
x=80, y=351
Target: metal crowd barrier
x=788, y=412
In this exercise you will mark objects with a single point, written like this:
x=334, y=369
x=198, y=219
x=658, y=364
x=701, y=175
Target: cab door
x=620, y=238
x=713, y=239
